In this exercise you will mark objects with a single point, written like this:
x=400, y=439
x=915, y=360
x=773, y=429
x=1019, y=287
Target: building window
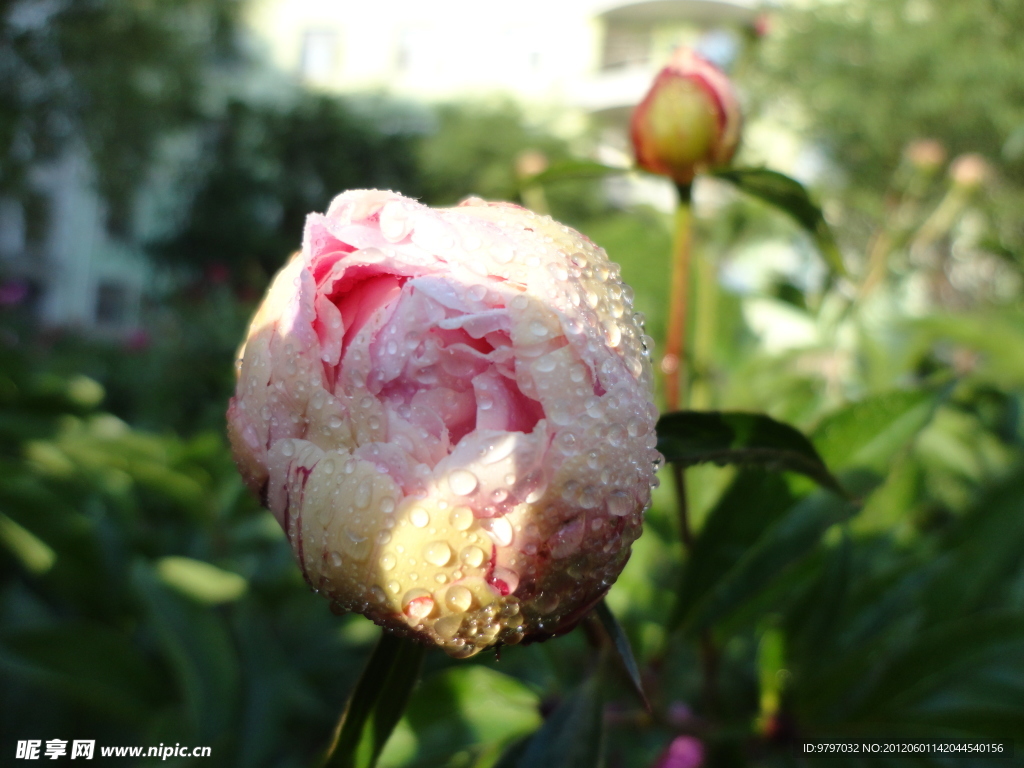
x=319, y=54
x=625, y=46
x=12, y=227
x=112, y=304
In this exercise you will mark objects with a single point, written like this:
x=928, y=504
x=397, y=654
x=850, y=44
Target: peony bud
x=688, y=121
x=969, y=171
x=925, y=155
x=449, y=412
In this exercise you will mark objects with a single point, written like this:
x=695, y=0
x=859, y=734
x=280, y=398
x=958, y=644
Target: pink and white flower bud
x=449, y=412
x=689, y=120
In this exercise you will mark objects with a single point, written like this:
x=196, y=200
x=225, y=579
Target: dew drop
x=364, y=492
x=546, y=364
x=448, y=626
x=461, y=518
x=419, y=517
x=288, y=448
x=417, y=603
x=335, y=558
x=504, y=580
x=503, y=253
x=472, y=556
x=437, y=553
x=619, y=504
x=499, y=529
x=388, y=561
x=462, y=482
x=458, y=598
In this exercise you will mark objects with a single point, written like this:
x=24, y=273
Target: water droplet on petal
x=461, y=518
x=499, y=529
x=462, y=482
x=458, y=598
x=288, y=448
x=417, y=603
x=387, y=561
x=419, y=517
x=364, y=492
x=335, y=558
x=504, y=580
x=472, y=556
x=619, y=504
x=437, y=553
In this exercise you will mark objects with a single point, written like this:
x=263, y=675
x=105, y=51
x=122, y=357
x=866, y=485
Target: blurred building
x=584, y=61
x=58, y=256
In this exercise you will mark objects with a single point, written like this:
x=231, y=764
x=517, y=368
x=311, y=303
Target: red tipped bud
x=689, y=121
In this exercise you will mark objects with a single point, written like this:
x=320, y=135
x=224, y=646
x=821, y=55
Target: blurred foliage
x=265, y=167
x=482, y=149
x=873, y=75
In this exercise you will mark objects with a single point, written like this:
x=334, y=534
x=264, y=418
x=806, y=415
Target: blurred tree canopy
x=266, y=166
x=873, y=75
x=112, y=75
x=480, y=148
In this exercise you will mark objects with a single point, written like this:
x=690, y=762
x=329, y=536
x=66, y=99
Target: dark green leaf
x=93, y=664
x=377, y=703
x=198, y=646
x=573, y=735
x=623, y=650
x=780, y=545
x=573, y=170
x=754, y=500
x=983, y=553
x=867, y=434
x=791, y=196
x=693, y=437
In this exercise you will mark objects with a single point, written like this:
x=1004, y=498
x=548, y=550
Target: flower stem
x=673, y=363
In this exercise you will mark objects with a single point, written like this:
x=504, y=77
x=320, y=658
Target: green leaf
x=201, y=581
x=35, y=555
x=999, y=336
x=781, y=544
x=869, y=433
x=377, y=703
x=90, y=663
x=466, y=708
x=573, y=170
x=694, y=437
x=753, y=501
x=623, y=650
x=198, y=646
x=573, y=735
x=790, y=196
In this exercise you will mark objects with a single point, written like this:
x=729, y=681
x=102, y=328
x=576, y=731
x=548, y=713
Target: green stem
x=673, y=362
x=377, y=703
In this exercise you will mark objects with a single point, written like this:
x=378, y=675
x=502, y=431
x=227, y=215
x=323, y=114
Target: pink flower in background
x=682, y=752
x=689, y=120
x=13, y=292
x=449, y=412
